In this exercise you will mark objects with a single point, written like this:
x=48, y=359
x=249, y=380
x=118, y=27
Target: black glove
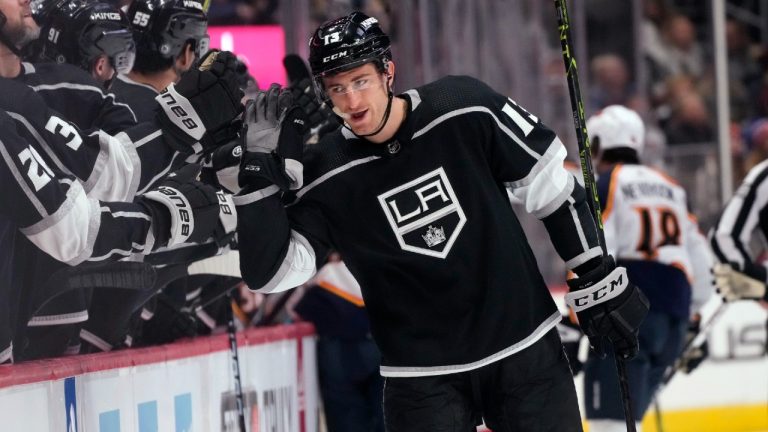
x=222, y=166
x=272, y=139
x=320, y=118
x=183, y=210
x=570, y=337
x=200, y=109
x=694, y=355
x=608, y=306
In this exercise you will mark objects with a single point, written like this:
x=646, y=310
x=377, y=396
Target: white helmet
x=617, y=126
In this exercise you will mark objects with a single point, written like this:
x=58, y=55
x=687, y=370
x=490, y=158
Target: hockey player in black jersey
x=52, y=211
x=65, y=88
x=169, y=36
x=116, y=168
x=411, y=192
x=92, y=35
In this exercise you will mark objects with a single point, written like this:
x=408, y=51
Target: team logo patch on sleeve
x=425, y=214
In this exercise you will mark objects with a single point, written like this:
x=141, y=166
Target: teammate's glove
x=570, y=336
x=608, y=306
x=200, y=109
x=734, y=285
x=183, y=210
x=692, y=357
x=222, y=166
x=320, y=118
x=272, y=140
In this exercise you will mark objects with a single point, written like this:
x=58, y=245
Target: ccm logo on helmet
x=334, y=56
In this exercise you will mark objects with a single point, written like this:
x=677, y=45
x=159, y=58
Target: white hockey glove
x=734, y=285
x=273, y=129
x=183, y=210
x=200, y=109
x=608, y=306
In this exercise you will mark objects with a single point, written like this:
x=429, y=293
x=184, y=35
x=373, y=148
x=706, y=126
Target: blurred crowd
x=678, y=101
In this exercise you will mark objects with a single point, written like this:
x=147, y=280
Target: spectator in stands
x=744, y=72
x=611, y=84
x=690, y=122
x=238, y=12
x=758, y=143
x=230, y=12
x=679, y=53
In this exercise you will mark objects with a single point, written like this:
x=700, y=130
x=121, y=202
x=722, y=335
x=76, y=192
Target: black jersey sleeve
x=52, y=209
x=70, y=90
x=110, y=167
x=280, y=247
x=528, y=158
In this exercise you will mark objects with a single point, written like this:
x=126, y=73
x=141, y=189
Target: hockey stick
x=227, y=264
x=235, y=362
x=577, y=106
x=122, y=275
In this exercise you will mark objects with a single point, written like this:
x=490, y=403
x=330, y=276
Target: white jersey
x=646, y=219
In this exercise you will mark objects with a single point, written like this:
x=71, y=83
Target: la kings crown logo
x=425, y=214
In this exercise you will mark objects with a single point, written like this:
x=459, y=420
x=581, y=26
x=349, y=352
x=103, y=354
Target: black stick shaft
x=587, y=171
x=235, y=363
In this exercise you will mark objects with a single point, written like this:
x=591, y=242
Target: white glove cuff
x=182, y=217
x=608, y=288
x=295, y=171
x=227, y=212
x=180, y=112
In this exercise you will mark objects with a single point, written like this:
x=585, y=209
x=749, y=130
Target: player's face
x=20, y=28
x=361, y=94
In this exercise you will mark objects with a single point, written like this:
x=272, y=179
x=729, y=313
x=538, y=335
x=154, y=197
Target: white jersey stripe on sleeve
x=297, y=267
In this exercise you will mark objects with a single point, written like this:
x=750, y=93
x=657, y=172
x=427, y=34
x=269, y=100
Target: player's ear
x=101, y=70
x=390, y=72
x=186, y=58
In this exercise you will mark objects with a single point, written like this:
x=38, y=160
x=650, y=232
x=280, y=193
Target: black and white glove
x=608, y=306
x=222, y=166
x=183, y=210
x=273, y=127
x=199, y=110
x=734, y=285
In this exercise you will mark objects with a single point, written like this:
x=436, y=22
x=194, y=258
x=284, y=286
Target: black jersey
x=111, y=167
x=70, y=91
x=53, y=211
x=140, y=97
x=424, y=224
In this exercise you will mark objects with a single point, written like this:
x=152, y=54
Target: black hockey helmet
x=346, y=43
x=164, y=26
x=79, y=31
